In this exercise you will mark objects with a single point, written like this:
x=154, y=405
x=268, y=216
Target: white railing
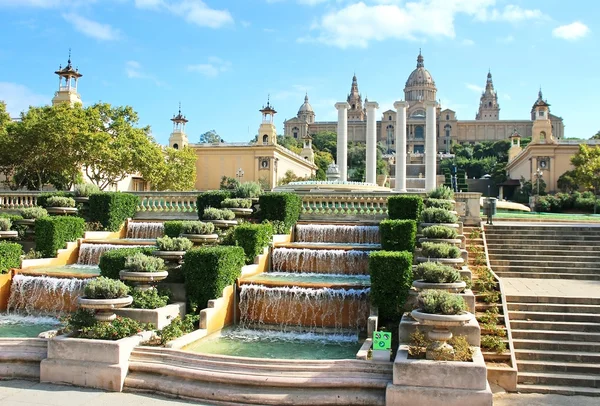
x=18, y=200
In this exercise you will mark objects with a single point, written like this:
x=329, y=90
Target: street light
x=538, y=175
x=239, y=175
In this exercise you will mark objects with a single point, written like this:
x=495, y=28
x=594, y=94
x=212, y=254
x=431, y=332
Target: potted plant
x=442, y=192
x=5, y=231
x=172, y=249
x=433, y=275
x=198, y=232
x=83, y=192
x=445, y=204
x=440, y=252
x=143, y=270
x=248, y=190
x=61, y=205
x=222, y=218
x=440, y=233
x=239, y=207
x=104, y=295
x=436, y=216
x=441, y=310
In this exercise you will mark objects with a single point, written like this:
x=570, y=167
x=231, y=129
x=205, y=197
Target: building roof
x=420, y=76
x=306, y=107
x=68, y=70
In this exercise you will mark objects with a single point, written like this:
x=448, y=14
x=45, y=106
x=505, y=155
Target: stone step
x=544, y=262
x=558, y=390
x=558, y=367
x=544, y=252
x=548, y=275
x=564, y=356
x=532, y=227
x=555, y=326
x=553, y=345
x=553, y=307
x=560, y=379
x=556, y=335
x=533, y=245
x=541, y=238
x=542, y=269
x=550, y=316
x=575, y=300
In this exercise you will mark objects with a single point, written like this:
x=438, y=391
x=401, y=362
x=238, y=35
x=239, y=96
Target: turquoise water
x=25, y=326
x=316, y=278
x=278, y=345
x=70, y=269
x=332, y=244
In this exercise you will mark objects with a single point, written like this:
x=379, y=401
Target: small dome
x=306, y=107
x=420, y=76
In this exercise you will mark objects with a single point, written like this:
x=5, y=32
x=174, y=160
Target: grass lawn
x=545, y=216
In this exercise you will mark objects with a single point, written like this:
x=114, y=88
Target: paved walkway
x=551, y=287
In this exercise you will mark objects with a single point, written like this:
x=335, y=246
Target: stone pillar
x=371, y=169
x=342, y=139
x=400, y=107
x=430, y=145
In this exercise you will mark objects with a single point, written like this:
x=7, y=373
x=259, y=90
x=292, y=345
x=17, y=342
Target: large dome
x=306, y=107
x=420, y=85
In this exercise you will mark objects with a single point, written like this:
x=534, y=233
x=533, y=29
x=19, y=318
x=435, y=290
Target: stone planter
x=143, y=280
x=440, y=322
x=174, y=256
x=452, y=287
x=201, y=238
x=446, y=261
x=223, y=223
x=62, y=210
x=453, y=241
x=450, y=225
x=8, y=234
x=82, y=199
x=104, y=307
x=160, y=318
x=25, y=222
x=241, y=212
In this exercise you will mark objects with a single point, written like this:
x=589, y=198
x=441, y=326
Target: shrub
x=210, y=213
x=34, y=212
x=33, y=254
x=173, y=228
x=442, y=192
x=493, y=343
x=78, y=320
x=248, y=190
x=212, y=198
x=441, y=232
x=253, y=238
x=148, y=299
x=435, y=215
x=586, y=204
x=60, y=201
x=278, y=226
x=43, y=197
x=177, y=328
x=86, y=189
x=113, y=261
x=237, y=203
x=93, y=226
x=434, y=272
x=5, y=224
x=398, y=235
x=405, y=207
x=441, y=302
x=439, y=250
x=173, y=244
x=112, y=208
x=197, y=227
x=209, y=270
x=117, y=329
x=105, y=288
x=139, y=262
x=278, y=206
x=440, y=203
x=52, y=233
x=391, y=280
x=10, y=256
x=462, y=349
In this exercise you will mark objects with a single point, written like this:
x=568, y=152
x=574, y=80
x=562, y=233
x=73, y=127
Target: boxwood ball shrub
x=60, y=201
x=248, y=190
x=53, y=233
x=439, y=250
x=398, y=235
x=33, y=212
x=210, y=213
x=173, y=228
x=405, y=207
x=211, y=198
x=440, y=203
x=5, y=224
x=253, y=238
x=10, y=256
x=86, y=189
x=139, y=262
x=105, y=288
x=435, y=215
x=197, y=227
x=277, y=206
x=112, y=262
x=441, y=302
x=236, y=203
x=391, y=280
x=434, y=272
x=173, y=244
x=442, y=192
x=208, y=271
x=43, y=197
x=441, y=232
x=112, y=208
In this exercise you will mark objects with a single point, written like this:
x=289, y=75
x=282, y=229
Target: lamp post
x=538, y=174
x=239, y=174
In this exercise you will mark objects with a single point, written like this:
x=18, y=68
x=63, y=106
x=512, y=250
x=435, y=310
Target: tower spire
x=420, y=60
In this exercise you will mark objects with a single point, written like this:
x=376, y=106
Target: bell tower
x=541, y=133
x=178, y=138
x=267, y=134
x=67, y=85
x=488, y=104
x=515, y=145
x=307, y=150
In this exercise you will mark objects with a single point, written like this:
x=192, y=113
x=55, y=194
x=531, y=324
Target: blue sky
x=221, y=59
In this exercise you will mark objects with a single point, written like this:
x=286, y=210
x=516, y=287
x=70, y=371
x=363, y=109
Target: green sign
x=382, y=340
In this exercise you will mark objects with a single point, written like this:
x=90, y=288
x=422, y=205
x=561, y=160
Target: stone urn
x=170, y=256
x=104, y=308
x=4, y=235
x=202, y=238
x=446, y=261
x=82, y=199
x=25, y=222
x=452, y=287
x=143, y=280
x=453, y=241
x=62, y=210
x=220, y=224
x=450, y=225
x=440, y=333
x=241, y=212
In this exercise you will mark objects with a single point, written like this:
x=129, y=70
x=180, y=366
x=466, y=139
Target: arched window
x=175, y=146
x=447, y=116
x=419, y=131
x=353, y=106
x=390, y=118
x=265, y=139
x=490, y=104
x=295, y=132
x=543, y=136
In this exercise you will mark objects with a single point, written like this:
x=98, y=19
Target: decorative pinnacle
x=179, y=108
x=69, y=61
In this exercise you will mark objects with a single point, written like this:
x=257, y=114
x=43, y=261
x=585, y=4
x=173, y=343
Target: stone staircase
x=544, y=251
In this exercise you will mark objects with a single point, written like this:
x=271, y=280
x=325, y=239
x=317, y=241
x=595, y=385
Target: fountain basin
x=65, y=271
x=337, y=234
x=309, y=280
x=145, y=230
x=19, y=326
x=351, y=262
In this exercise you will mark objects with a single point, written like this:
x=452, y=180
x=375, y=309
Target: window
x=490, y=104
x=175, y=146
x=541, y=113
x=265, y=139
x=447, y=116
x=542, y=136
x=353, y=106
x=419, y=131
x=295, y=132
x=296, y=135
x=390, y=118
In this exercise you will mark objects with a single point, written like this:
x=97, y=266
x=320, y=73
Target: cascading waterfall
x=145, y=230
x=311, y=310
x=337, y=234
x=89, y=254
x=44, y=295
x=351, y=262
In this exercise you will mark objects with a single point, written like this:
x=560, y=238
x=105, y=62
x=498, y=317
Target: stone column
x=400, y=107
x=371, y=169
x=430, y=145
x=342, y=140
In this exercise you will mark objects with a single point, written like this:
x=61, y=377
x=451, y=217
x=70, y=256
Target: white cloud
x=18, y=98
x=474, y=88
x=571, y=32
x=134, y=70
x=467, y=42
x=511, y=13
x=99, y=31
x=192, y=11
x=212, y=68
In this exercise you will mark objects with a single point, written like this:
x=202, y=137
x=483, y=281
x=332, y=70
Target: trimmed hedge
x=253, y=238
x=111, y=209
x=10, y=256
x=405, y=207
x=42, y=199
x=208, y=271
x=52, y=233
x=211, y=198
x=398, y=235
x=173, y=228
x=113, y=261
x=391, y=280
x=279, y=206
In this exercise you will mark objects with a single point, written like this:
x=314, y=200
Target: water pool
x=278, y=345
x=310, y=278
x=12, y=325
x=67, y=270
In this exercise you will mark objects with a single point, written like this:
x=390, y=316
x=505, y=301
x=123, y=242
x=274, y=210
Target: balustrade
x=18, y=200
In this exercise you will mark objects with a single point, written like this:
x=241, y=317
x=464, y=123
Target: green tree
x=567, y=182
x=326, y=141
x=587, y=167
x=210, y=137
x=596, y=136
x=176, y=172
x=290, y=143
x=322, y=159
